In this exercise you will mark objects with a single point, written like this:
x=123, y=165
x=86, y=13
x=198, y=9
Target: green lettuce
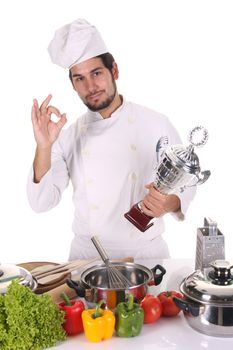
x=29, y=321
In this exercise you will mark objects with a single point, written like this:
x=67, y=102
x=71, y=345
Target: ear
x=115, y=71
x=71, y=79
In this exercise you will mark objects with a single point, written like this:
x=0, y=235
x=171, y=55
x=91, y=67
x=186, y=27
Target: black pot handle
x=79, y=289
x=158, y=276
x=189, y=307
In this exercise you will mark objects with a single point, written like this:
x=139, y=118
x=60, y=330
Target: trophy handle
x=160, y=147
x=200, y=180
x=204, y=176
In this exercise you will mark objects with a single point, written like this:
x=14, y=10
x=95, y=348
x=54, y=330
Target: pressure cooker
x=208, y=299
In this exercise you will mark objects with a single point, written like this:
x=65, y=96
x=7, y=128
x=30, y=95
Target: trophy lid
x=185, y=157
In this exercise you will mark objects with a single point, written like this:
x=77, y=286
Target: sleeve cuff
x=46, y=178
x=39, y=194
x=185, y=198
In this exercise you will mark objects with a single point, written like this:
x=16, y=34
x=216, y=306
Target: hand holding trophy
x=178, y=168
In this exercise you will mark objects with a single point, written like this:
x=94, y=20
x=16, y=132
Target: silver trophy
x=178, y=168
x=210, y=245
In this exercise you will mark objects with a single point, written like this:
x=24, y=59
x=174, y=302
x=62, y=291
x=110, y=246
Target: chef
x=108, y=154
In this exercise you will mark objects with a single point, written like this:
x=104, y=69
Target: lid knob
x=221, y=275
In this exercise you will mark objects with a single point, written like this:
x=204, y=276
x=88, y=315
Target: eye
x=79, y=79
x=97, y=73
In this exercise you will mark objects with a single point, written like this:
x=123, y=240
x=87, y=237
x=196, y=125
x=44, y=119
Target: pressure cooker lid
x=214, y=286
x=10, y=272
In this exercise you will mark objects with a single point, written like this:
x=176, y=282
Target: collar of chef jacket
x=96, y=116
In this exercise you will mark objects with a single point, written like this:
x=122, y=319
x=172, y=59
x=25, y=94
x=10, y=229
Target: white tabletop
x=167, y=333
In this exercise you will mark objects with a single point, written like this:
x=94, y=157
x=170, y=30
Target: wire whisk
x=116, y=279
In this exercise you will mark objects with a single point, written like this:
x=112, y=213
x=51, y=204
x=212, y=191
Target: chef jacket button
x=83, y=129
x=133, y=147
x=89, y=181
x=131, y=119
x=85, y=152
x=94, y=207
x=134, y=177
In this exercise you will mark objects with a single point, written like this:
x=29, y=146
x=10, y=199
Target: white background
x=174, y=56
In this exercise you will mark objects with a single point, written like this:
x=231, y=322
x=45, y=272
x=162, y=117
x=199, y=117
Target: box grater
x=210, y=245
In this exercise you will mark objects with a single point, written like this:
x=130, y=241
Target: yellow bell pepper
x=98, y=324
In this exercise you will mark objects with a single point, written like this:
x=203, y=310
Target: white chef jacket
x=109, y=162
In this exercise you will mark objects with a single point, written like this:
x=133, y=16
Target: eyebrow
x=92, y=71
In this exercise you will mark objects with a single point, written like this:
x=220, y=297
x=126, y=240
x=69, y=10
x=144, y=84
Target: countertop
x=167, y=333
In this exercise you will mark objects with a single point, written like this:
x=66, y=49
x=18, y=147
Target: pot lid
x=213, y=286
x=10, y=272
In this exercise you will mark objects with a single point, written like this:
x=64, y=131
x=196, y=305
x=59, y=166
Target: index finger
x=45, y=103
x=153, y=191
x=52, y=109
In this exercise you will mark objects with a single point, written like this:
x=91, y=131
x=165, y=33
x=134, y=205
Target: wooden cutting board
x=42, y=288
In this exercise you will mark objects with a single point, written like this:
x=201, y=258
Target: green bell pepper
x=129, y=318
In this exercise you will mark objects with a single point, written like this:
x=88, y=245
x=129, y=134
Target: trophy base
x=139, y=219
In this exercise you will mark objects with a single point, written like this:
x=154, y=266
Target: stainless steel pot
x=94, y=282
x=208, y=299
x=9, y=272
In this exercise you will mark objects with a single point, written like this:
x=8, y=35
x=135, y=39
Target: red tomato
x=169, y=307
x=152, y=308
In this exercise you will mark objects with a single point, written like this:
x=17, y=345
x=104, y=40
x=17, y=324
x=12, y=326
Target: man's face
x=94, y=83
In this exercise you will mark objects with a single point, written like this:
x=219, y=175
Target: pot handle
x=157, y=276
x=189, y=307
x=80, y=290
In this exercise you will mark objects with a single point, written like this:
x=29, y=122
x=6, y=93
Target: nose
x=91, y=86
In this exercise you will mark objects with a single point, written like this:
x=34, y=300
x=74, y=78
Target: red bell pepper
x=73, y=310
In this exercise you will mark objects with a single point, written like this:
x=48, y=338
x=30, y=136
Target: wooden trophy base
x=139, y=219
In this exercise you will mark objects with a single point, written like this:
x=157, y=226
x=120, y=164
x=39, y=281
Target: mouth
x=94, y=96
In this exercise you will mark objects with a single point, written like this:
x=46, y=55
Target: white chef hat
x=76, y=42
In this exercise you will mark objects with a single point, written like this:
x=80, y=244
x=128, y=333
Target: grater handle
x=212, y=226
x=100, y=249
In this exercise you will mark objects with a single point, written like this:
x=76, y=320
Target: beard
x=95, y=107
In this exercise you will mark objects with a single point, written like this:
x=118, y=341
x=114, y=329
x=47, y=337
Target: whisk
x=116, y=279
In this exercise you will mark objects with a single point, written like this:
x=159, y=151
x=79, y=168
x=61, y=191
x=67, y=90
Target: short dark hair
x=107, y=60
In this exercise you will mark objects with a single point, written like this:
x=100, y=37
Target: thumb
x=148, y=186
x=62, y=121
